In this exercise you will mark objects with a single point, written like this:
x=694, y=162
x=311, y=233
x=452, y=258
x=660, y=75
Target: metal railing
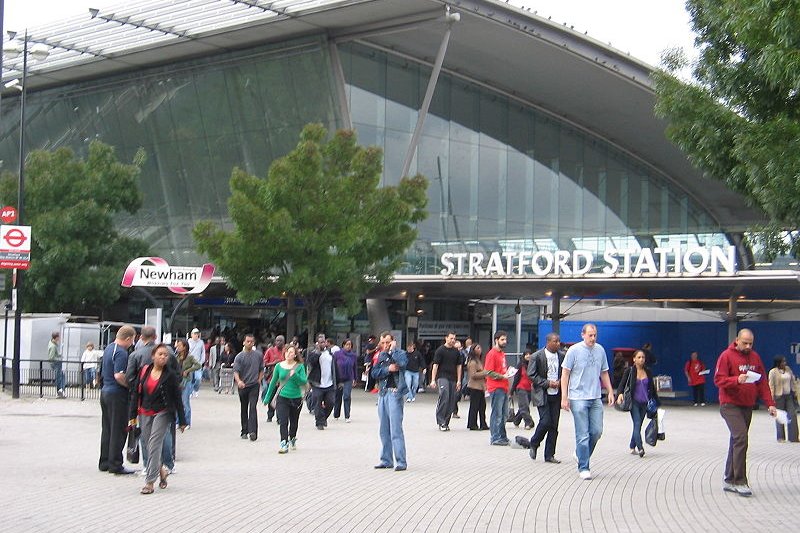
x=37, y=377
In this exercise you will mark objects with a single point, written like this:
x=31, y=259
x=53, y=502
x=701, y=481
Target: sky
x=642, y=27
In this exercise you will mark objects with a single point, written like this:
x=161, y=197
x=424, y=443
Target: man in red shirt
x=740, y=377
x=497, y=387
x=272, y=357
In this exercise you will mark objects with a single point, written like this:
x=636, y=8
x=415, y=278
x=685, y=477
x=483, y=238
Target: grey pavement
x=455, y=480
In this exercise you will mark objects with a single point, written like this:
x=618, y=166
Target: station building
x=554, y=199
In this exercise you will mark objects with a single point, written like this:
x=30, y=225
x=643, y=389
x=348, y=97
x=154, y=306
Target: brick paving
x=455, y=480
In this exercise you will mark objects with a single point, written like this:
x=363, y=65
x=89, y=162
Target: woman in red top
x=696, y=380
x=521, y=389
x=156, y=398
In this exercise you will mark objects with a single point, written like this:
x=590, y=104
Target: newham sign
x=650, y=262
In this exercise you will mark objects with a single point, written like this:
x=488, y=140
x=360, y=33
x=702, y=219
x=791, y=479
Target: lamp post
x=37, y=53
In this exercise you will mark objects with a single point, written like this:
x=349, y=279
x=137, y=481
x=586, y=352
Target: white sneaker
x=702, y=405
x=728, y=487
x=585, y=475
x=195, y=394
x=743, y=490
x=347, y=420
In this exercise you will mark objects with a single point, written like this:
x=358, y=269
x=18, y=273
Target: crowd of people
x=151, y=385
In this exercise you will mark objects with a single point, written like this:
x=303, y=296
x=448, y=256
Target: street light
x=12, y=51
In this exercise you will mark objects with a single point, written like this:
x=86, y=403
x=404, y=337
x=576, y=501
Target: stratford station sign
x=630, y=262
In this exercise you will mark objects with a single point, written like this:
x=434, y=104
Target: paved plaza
x=455, y=481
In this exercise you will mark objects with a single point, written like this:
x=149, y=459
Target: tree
x=319, y=226
x=77, y=257
x=738, y=117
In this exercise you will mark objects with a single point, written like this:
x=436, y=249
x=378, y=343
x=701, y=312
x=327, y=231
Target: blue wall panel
x=674, y=341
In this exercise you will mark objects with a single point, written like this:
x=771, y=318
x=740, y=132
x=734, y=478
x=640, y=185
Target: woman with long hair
x=636, y=389
x=476, y=387
x=287, y=383
x=156, y=400
x=188, y=365
x=782, y=386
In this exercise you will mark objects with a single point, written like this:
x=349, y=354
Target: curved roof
x=561, y=72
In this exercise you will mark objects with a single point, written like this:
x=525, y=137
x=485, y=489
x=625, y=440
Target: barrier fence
x=38, y=377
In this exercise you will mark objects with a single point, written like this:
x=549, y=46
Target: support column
x=555, y=313
x=733, y=322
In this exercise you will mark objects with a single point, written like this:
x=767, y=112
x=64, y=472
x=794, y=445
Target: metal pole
x=426, y=102
x=20, y=220
x=5, y=344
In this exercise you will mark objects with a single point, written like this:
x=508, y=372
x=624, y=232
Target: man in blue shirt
x=584, y=367
x=114, y=402
x=389, y=377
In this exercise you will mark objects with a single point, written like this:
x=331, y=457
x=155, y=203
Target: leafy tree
x=738, y=117
x=77, y=257
x=319, y=226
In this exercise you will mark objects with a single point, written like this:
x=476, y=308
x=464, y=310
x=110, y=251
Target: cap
x=195, y=330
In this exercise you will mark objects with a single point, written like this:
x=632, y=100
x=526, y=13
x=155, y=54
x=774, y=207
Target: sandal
x=147, y=489
x=162, y=484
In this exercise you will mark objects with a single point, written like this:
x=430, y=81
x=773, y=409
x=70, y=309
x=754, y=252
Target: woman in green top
x=290, y=376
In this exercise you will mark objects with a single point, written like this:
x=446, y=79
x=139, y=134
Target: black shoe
x=399, y=468
x=522, y=442
x=122, y=472
x=381, y=466
x=552, y=460
x=269, y=419
x=253, y=436
x=320, y=427
x=244, y=436
x=641, y=452
x=532, y=451
x=485, y=428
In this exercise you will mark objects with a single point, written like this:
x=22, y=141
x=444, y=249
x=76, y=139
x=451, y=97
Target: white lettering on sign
x=628, y=262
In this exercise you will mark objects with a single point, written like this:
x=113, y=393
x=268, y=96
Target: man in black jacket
x=544, y=370
x=322, y=377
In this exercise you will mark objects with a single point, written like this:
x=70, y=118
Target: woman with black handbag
x=637, y=394
x=156, y=399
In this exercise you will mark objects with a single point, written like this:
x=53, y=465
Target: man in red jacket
x=741, y=379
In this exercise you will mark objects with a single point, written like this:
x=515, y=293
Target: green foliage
x=739, y=118
x=77, y=257
x=319, y=226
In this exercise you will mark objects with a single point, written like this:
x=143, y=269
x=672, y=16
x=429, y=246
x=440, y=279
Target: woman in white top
x=782, y=387
x=89, y=360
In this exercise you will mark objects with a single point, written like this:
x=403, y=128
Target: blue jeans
x=59, y=375
x=390, y=415
x=186, y=395
x=412, y=382
x=587, y=415
x=638, y=412
x=344, y=394
x=88, y=376
x=497, y=420
x=198, y=377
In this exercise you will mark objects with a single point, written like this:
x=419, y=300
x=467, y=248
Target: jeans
x=248, y=398
x=343, y=396
x=167, y=455
x=587, y=416
x=412, y=382
x=738, y=420
x=198, y=377
x=186, y=394
x=60, y=380
x=393, y=442
x=549, y=415
x=638, y=413
x=447, y=399
x=497, y=420
x=523, y=398
x=88, y=377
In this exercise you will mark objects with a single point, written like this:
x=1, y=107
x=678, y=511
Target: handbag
x=652, y=408
x=132, y=452
x=651, y=432
x=627, y=392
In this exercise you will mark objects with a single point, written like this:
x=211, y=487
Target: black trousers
x=549, y=415
x=477, y=409
x=248, y=398
x=324, y=399
x=114, y=409
x=699, y=393
x=288, y=410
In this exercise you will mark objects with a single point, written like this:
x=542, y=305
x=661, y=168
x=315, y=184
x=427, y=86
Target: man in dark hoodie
x=741, y=379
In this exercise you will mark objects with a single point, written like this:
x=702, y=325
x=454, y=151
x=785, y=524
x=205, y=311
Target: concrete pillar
x=378, y=315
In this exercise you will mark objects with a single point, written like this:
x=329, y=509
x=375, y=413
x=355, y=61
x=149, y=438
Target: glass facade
x=196, y=121
x=507, y=177
x=503, y=176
